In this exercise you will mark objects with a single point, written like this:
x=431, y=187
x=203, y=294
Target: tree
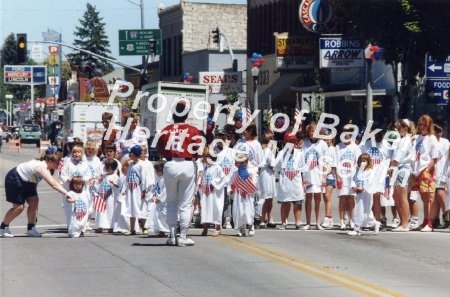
x=406, y=29
x=91, y=36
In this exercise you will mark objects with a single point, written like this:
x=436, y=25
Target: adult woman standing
x=424, y=168
x=21, y=186
x=400, y=170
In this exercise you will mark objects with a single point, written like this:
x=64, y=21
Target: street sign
x=137, y=42
x=25, y=74
x=36, y=51
x=341, y=52
x=437, y=91
x=437, y=69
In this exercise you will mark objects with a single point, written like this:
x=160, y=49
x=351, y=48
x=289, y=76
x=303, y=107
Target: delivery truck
x=84, y=119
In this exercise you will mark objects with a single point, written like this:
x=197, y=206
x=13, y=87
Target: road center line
x=347, y=281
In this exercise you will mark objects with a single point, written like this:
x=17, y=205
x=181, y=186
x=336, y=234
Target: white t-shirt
x=426, y=149
x=27, y=170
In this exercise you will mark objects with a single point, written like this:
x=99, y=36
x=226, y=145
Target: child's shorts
x=425, y=182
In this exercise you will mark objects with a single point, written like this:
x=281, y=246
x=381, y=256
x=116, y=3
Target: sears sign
x=222, y=82
x=339, y=52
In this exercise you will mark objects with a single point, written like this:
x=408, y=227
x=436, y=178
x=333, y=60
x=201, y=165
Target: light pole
x=9, y=108
x=141, y=6
x=255, y=74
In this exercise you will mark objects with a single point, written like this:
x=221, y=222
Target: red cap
x=289, y=136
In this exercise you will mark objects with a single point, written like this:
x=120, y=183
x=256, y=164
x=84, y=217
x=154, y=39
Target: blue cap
x=51, y=150
x=136, y=150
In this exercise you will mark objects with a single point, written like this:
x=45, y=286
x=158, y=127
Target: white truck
x=157, y=116
x=84, y=119
x=161, y=96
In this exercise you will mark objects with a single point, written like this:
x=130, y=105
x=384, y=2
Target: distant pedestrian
x=21, y=186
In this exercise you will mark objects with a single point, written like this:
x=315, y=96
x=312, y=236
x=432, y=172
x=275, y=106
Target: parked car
x=30, y=134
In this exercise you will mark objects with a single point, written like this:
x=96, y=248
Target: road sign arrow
x=433, y=94
x=434, y=67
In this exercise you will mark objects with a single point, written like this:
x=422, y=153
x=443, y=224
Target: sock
x=30, y=226
x=173, y=234
x=430, y=223
x=3, y=226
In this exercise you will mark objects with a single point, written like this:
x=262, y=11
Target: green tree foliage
x=91, y=36
x=406, y=29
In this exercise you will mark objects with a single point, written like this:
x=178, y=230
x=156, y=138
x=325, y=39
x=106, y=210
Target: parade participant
x=107, y=117
x=439, y=201
x=424, y=171
x=211, y=189
x=157, y=220
x=179, y=143
x=330, y=182
x=120, y=222
x=400, y=170
x=313, y=150
x=291, y=188
x=149, y=176
x=79, y=198
x=267, y=185
x=136, y=190
x=133, y=136
x=362, y=178
x=21, y=186
x=242, y=188
x=347, y=155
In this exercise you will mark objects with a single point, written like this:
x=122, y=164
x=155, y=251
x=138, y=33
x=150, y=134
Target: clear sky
x=36, y=16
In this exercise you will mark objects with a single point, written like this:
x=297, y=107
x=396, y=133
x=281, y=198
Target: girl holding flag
x=243, y=187
x=104, y=202
x=79, y=199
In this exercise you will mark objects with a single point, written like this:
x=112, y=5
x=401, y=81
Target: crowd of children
x=238, y=180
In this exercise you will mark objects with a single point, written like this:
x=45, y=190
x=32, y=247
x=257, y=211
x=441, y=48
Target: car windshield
x=31, y=128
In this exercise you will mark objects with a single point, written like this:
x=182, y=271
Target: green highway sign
x=137, y=42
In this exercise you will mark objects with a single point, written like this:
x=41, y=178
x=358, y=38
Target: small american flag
x=80, y=209
x=98, y=202
x=297, y=111
x=248, y=111
x=375, y=155
x=243, y=184
x=269, y=108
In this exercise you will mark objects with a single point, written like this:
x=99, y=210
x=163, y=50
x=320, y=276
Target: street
x=272, y=263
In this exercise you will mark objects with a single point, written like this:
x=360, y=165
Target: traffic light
x=152, y=46
x=216, y=37
x=22, y=48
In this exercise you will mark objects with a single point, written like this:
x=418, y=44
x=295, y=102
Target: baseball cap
x=289, y=136
x=136, y=150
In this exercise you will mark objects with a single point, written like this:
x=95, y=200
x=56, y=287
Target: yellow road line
x=350, y=282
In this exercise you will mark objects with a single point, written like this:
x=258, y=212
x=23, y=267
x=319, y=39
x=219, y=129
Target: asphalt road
x=272, y=263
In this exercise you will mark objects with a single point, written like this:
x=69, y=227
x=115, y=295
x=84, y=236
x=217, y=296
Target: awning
x=358, y=93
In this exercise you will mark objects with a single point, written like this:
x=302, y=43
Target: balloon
x=254, y=56
x=253, y=60
x=261, y=61
x=256, y=64
x=259, y=56
x=189, y=78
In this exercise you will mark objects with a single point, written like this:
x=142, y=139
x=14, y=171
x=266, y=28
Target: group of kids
x=238, y=177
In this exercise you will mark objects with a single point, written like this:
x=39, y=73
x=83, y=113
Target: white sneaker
x=185, y=241
x=228, y=223
x=6, y=233
x=376, y=228
x=353, y=233
x=33, y=233
x=251, y=230
x=414, y=224
x=326, y=223
x=172, y=241
x=352, y=224
x=395, y=223
x=343, y=226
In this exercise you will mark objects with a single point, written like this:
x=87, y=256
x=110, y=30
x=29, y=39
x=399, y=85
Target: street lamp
x=141, y=6
x=9, y=109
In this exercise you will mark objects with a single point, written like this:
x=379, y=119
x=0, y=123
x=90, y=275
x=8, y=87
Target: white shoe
x=343, y=226
x=172, y=241
x=306, y=227
x=395, y=223
x=414, y=224
x=251, y=230
x=185, y=241
x=426, y=229
x=228, y=224
x=352, y=225
x=326, y=223
x=33, y=233
x=376, y=228
x=6, y=233
x=353, y=233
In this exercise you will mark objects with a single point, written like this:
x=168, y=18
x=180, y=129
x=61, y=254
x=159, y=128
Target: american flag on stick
x=269, y=108
x=243, y=184
x=98, y=202
x=205, y=184
x=297, y=110
x=248, y=111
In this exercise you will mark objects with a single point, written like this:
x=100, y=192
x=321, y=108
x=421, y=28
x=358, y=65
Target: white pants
x=179, y=179
x=363, y=215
